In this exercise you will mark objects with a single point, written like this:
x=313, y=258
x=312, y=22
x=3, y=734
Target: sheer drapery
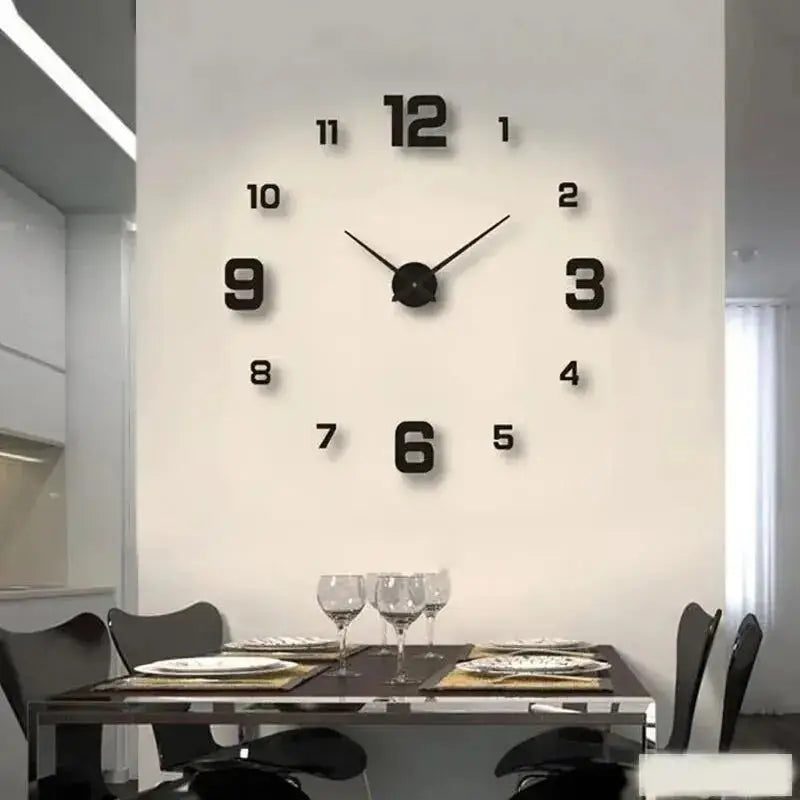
x=753, y=377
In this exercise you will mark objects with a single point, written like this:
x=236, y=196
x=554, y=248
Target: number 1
x=503, y=127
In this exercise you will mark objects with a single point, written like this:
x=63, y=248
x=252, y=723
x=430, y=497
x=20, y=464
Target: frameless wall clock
x=400, y=275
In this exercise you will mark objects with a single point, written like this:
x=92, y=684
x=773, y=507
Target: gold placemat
x=456, y=680
x=274, y=681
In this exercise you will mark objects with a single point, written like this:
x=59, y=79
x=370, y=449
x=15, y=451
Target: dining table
x=618, y=700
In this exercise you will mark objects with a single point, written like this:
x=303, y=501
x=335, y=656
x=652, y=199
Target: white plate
x=215, y=665
x=510, y=665
x=282, y=644
x=541, y=643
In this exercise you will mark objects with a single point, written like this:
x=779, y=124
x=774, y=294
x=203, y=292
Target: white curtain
x=753, y=406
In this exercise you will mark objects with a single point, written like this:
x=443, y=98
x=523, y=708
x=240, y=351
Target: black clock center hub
x=414, y=285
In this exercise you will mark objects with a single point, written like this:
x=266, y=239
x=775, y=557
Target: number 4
x=570, y=373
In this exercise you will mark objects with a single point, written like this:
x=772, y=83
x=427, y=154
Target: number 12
x=414, y=106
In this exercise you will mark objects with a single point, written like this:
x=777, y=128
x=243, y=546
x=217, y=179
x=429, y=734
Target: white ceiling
x=763, y=146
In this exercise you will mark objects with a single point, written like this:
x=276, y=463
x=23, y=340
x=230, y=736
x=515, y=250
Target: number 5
x=503, y=438
x=403, y=448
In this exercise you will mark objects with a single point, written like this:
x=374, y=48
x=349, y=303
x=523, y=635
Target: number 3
x=593, y=284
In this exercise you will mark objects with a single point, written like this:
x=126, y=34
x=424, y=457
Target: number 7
x=330, y=429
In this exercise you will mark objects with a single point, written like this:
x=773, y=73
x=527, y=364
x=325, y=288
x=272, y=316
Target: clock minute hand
x=380, y=258
x=469, y=244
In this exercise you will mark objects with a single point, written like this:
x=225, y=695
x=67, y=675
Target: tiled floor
x=771, y=734
x=124, y=790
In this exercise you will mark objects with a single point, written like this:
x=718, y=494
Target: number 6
x=402, y=447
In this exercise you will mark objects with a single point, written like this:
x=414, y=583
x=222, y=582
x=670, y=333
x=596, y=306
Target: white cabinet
x=32, y=314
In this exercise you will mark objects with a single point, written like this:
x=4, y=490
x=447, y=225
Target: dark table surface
x=364, y=700
x=374, y=673
x=376, y=670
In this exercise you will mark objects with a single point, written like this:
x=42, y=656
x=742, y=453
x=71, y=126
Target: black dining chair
x=590, y=780
x=740, y=667
x=198, y=630
x=562, y=749
x=41, y=664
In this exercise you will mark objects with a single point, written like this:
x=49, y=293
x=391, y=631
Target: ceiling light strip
x=37, y=49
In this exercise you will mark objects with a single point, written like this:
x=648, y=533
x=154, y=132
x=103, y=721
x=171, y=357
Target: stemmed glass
x=400, y=600
x=372, y=599
x=341, y=597
x=437, y=593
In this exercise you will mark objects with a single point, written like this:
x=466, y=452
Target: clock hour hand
x=469, y=244
x=380, y=258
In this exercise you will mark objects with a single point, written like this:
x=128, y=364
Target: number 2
x=567, y=195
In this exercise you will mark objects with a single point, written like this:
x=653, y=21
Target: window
x=753, y=357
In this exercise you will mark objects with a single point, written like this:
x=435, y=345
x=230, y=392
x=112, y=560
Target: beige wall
x=609, y=517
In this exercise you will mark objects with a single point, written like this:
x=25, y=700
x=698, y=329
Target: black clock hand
x=469, y=244
x=380, y=258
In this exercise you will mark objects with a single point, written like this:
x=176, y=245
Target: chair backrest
x=696, y=632
x=37, y=665
x=193, y=631
x=740, y=667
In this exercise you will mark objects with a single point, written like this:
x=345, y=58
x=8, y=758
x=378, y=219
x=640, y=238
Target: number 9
x=254, y=283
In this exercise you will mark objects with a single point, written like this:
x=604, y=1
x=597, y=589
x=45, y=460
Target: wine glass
x=400, y=600
x=341, y=597
x=372, y=599
x=437, y=593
